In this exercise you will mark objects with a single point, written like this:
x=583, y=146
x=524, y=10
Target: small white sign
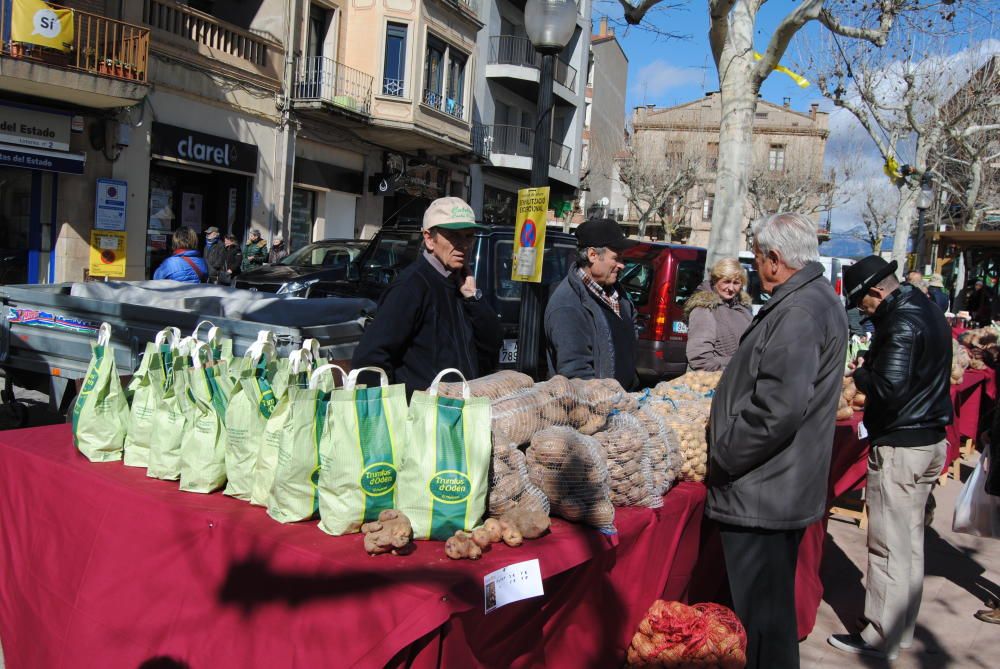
x=862, y=430
x=521, y=580
x=526, y=258
x=109, y=213
x=508, y=352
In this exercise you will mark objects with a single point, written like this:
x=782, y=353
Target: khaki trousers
x=899, y=481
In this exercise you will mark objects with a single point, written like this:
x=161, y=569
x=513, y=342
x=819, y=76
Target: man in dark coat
x=213, y=254
x=906, y=376
x=433, y=316
x=771, y=434
x=589, y=320
x=254, y=253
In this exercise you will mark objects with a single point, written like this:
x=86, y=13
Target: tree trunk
x=972, y=194
x=738, y=93
x=904, y=224
x=876, y=246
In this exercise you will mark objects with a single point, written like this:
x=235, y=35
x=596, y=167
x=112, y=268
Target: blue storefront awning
x=30, y=158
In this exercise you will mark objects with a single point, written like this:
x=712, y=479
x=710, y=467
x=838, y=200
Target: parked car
x=659, y=278
x=396, y=245
x=309, y=271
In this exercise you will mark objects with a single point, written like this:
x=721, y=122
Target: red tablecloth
x=103, y=567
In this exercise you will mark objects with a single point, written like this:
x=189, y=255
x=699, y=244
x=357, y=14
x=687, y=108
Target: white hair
x=791, y=235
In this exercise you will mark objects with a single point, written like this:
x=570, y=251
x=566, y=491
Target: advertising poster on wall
x=191, y=210
x=160, y=211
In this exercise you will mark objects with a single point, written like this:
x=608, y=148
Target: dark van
x=659, y=278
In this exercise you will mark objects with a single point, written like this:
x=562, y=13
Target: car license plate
x=680, y=327
x=508, y=352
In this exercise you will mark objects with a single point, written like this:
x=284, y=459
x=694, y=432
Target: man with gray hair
x=771, y=434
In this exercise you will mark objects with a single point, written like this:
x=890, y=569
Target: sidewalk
x=961, y=571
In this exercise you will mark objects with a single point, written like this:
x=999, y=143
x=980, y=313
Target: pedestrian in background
x=278, y=250
x=213, y=253
x=185, y=263
x=771, y=434
x=589, y=320
x=232, y=260
x=905, y=375
x=937, y=293
x=916, y=279
x=255, y=252
x=717, y=315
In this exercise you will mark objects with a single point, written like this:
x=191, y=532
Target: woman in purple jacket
x=717, y=315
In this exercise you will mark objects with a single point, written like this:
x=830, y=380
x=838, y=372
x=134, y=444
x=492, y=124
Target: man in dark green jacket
x=432, y=316
x=771, y=434
x=255, y=252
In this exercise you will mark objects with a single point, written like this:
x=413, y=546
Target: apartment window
x=675, y=152
x=444, y=77
x=760, y=115
x=776, y=158
x=707, y=205
x=394, y=69
x=712, y=156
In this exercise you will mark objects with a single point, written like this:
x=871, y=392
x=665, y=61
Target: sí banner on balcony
x=35, y=22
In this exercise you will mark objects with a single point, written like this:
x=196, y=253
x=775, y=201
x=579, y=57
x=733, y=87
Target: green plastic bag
x=366, y=431
x=222, y=347
x=445, y=470
x=295, y=492
x=100, y=415
x=250, y=405
x=149, y=383
x=294, y=373
x=171, y=418
x=203, y=447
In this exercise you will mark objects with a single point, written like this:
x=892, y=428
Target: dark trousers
x=761, y=567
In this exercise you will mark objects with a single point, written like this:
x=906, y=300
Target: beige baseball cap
x=452, y=213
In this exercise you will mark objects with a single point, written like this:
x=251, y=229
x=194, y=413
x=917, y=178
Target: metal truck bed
x=46, y=336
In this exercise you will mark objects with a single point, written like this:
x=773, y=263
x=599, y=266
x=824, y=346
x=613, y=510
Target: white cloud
x=658, y=77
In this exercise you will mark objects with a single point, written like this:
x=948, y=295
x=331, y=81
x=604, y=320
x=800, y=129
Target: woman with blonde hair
x=717, y=315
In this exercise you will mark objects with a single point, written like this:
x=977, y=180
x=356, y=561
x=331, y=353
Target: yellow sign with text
x=34, y=22
x=107, y=253
x=529, y=234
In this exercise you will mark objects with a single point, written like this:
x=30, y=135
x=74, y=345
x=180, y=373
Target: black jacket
x=424, y=325
x=214, y=257
x=907, y=371
x=232, y=259
x=774, y=412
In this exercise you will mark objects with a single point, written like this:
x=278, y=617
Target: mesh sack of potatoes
x=553, y=402
x=570, y=468
x=626, y=446
x=494, y=386
x=687, y=420
x=691, y=386
x=509, y=482
x=665, y=460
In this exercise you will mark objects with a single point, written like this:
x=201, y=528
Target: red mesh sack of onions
x=677, y=635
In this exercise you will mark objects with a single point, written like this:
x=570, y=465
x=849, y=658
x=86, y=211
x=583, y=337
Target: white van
x=833, y=270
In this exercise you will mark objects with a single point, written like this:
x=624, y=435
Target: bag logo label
x=378, y=479
x=450, y=486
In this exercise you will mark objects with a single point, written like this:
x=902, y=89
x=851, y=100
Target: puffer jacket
x=774, y=411
x=907, y=371
x=178, y=269
x=714, y=327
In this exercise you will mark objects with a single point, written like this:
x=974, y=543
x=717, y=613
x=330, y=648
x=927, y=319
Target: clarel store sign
x=190, y=146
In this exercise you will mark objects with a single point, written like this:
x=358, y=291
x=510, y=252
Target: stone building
x=788, y=148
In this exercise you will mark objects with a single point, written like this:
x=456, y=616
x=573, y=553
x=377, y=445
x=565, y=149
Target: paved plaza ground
x=961, y=572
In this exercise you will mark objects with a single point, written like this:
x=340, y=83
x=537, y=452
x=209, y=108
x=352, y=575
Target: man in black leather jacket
x=906, y=377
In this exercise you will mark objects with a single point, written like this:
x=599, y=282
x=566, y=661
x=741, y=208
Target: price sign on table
x=521, y=580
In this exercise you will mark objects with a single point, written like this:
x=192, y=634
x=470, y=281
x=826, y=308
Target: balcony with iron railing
x=177, y=28
x=101, y=46
x=444, y=104
x=494, y=141
x=323, y=80
x=516, y=51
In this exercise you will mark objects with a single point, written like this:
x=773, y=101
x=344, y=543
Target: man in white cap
x=432, y=316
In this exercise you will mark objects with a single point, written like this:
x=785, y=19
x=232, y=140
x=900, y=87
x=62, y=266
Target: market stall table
x=104, y=567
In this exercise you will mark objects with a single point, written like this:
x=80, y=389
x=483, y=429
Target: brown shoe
x=989, y=616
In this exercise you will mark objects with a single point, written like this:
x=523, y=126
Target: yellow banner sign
x=529, y=234
x=107, y=253
x=34, y=22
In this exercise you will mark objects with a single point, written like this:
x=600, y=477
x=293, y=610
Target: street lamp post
x=924, y=202
x=550, y=25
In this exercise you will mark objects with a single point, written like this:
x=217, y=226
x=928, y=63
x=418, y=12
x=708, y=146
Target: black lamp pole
x=529, y=334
